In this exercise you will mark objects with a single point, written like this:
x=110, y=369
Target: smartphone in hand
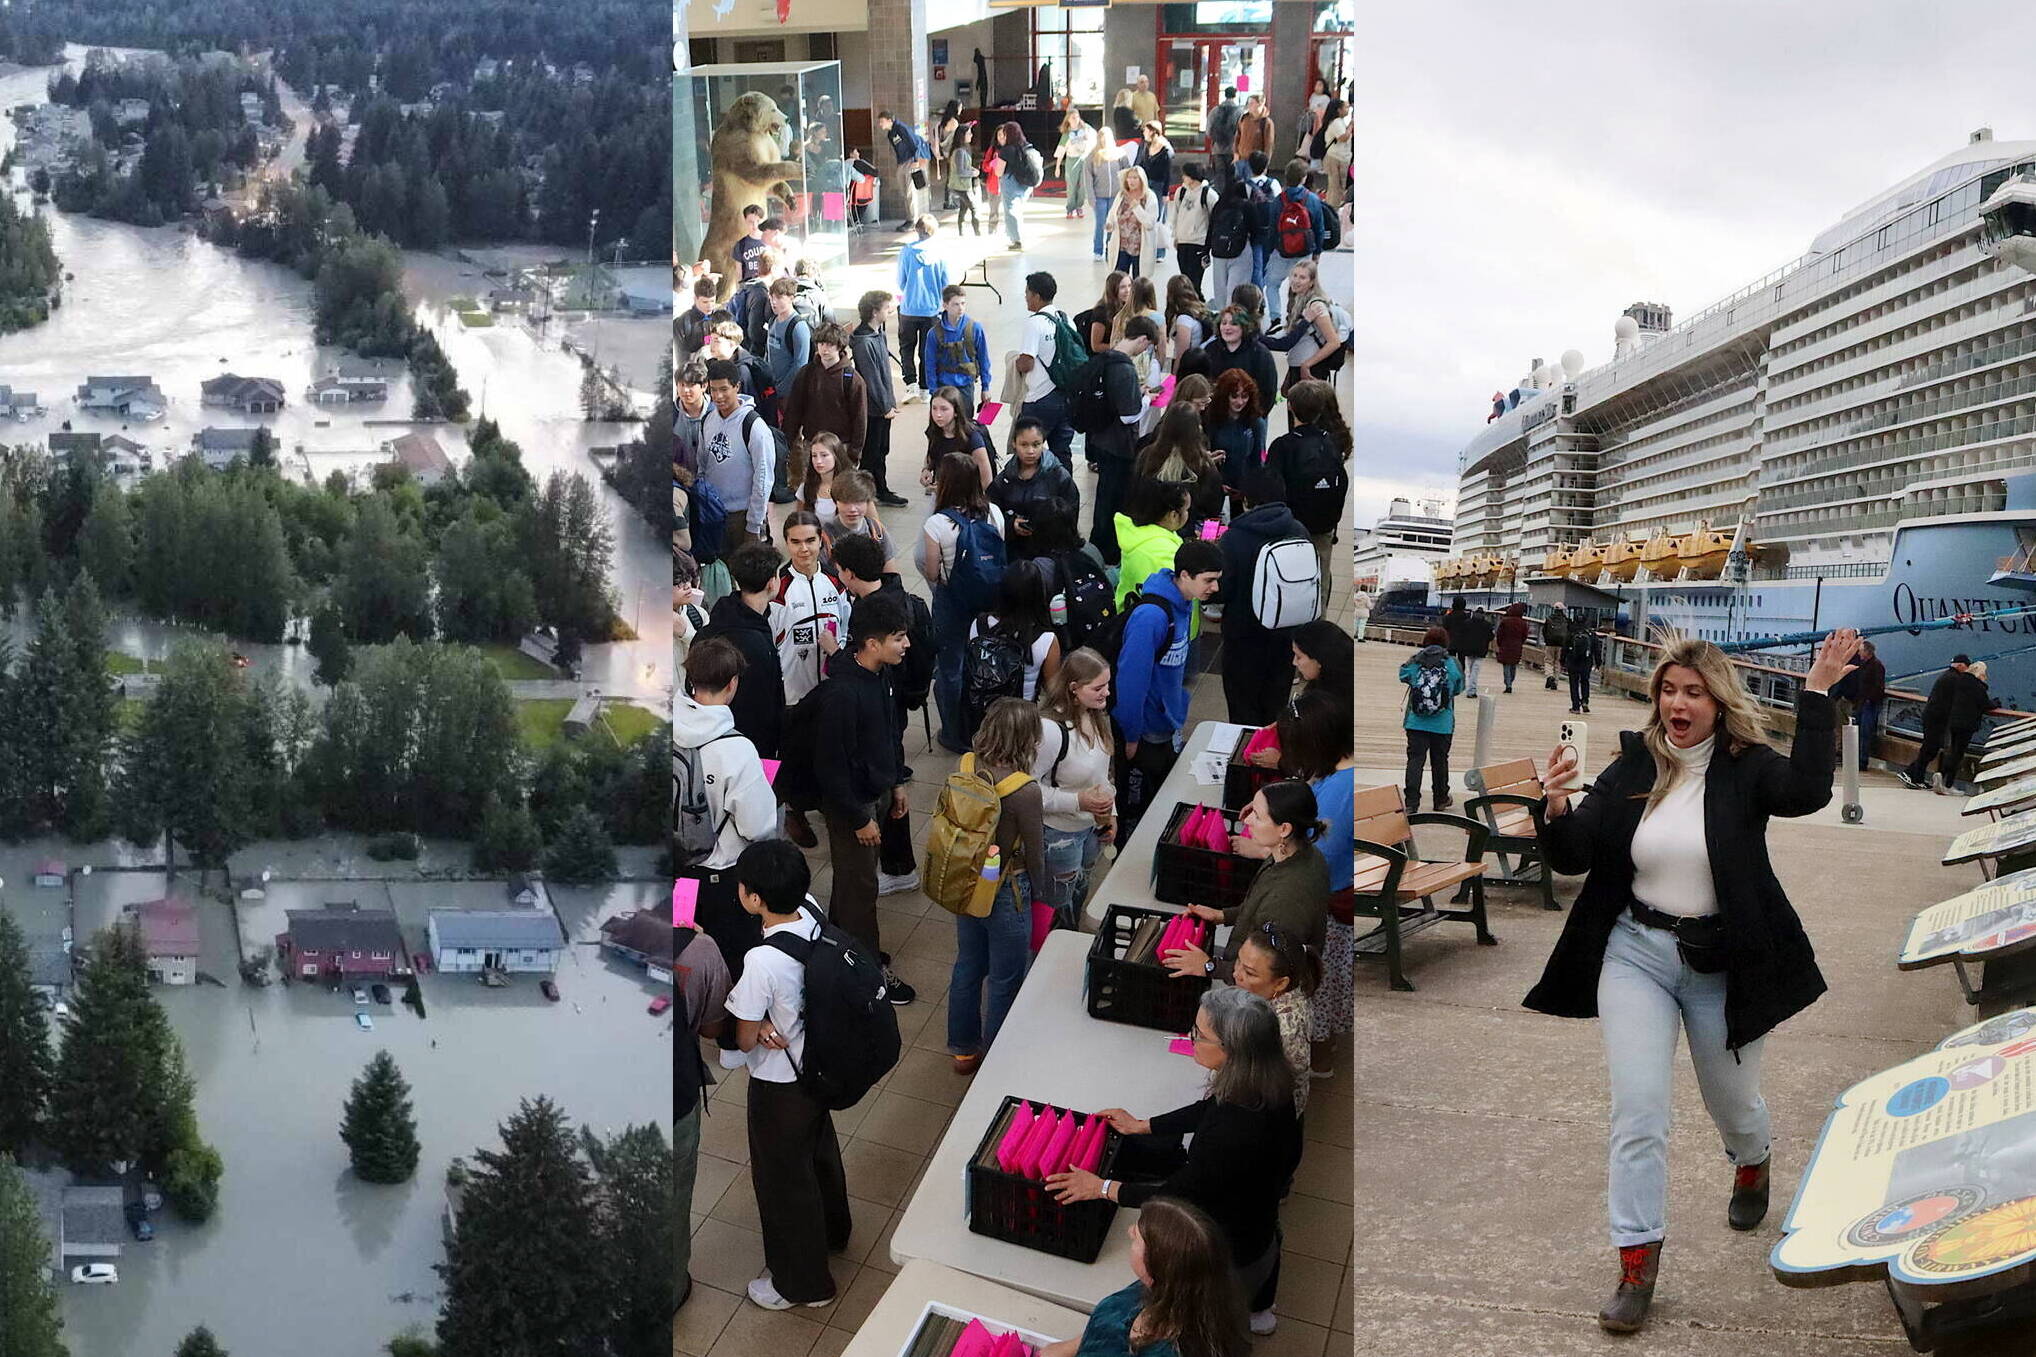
x=1574, y=737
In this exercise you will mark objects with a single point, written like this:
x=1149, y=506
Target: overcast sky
x=1524, y=173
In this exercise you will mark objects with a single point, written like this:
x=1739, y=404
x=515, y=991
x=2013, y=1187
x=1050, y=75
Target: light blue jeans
x=1470, y=673
x=1014, y=195
x=1644, y=991
x=1103, y=203
x=1069, y=855
x=998, y=949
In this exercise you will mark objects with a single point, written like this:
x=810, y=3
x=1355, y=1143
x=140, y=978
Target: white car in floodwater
x=95, y=1274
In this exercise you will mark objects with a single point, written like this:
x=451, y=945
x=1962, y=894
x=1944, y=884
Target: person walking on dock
x=1952, y=712
x=1682, y=923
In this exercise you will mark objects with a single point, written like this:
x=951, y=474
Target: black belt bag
x=1700, y=939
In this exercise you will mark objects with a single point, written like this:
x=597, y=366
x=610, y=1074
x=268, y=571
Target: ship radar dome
x=1625, y=328
x=1572, y=364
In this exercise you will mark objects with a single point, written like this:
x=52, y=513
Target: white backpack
x=1286, y=584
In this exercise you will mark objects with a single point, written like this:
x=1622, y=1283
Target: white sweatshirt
x=1084, y=765
x=739, y=799
x=808, y=603
x=1671, y=860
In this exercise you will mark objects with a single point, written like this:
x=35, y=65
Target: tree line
x=30, y=276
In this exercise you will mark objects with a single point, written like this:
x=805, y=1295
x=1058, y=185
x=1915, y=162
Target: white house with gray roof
x=526, y=940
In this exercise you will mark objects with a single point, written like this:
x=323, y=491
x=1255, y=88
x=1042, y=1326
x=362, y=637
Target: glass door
x=1196, y=72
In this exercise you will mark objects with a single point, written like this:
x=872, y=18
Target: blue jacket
x=907, y=144
x=922, y=277
x=1318, y=220
x=1444, y=721
x=943, y=333
x=1152, y=694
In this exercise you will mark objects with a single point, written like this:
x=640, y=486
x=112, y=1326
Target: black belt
x=1673, y=923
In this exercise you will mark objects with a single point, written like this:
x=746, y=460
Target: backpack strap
x=1053, y=773
x=1011, y=783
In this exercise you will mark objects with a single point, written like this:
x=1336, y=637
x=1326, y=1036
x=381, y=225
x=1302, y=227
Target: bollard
x=1850, y=810
x=1488, y=716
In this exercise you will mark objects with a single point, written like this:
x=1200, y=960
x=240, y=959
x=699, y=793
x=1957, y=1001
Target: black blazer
x=1770, y=972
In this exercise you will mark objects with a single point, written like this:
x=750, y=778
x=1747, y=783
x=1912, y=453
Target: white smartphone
x=1574, y=736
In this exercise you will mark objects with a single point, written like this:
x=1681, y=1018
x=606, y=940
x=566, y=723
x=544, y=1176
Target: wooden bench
x=1394, y=885
x=1508, y=801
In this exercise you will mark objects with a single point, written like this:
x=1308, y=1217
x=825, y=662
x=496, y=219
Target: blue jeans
x=1274, y=272
x=950, y=638
x=1102, y=213
x=1224, y=277
x=1644, y=992
x=1051, y=410
x=998, y=949
x=1014, y=195
x=1868, y=716
x=1069, y=855
x=1259, y=252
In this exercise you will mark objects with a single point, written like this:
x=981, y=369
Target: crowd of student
x=1056, y=659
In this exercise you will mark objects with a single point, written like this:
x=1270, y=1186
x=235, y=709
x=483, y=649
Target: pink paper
x=1010, y=1345
x=1055, y=1157
x=1182, y=1045
x=685, y=899
x=1215, y=833
x=1027, y=1165
x=770, y=767
x=833, y=207
x=1014, y=1138
x=1092, y=1152
x=1166, y=393
x=975, y=1341
x=988, y=414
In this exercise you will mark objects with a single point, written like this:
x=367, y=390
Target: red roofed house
x=169, y=929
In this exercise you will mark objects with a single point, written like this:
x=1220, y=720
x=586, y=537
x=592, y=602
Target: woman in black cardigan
x=1682, y=923
x=1245, y=1146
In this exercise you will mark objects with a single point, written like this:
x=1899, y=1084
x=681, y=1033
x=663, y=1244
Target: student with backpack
x=1228, y=241
x=1262, y=195
x=1023, y=171
x=1298, y=229
x=801, y=968
x=826, y=396
x=861, y=771
x=738, y=454
x=722, y=802
x=1581, y=654
x=1050, y=356
x=956, y=350
x=1310, y=459
x=1273, y=588
x=1315, y=328
x=865, y=573
x=961, y=556
x=991, y=803
x=1109, y=402
x=1192, y=201
x=1433, y=680
x=1032, y=486
x=748, y=619
x=1013, y=649
x=1073, y=767
x=1151, y=710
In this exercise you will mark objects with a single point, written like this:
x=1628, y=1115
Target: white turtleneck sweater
x=1671, y=865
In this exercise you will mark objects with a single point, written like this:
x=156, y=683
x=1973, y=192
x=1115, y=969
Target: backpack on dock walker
x=959, y=842
x=1428, y=694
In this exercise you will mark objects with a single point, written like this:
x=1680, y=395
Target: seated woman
x=1245, y=1140
x=1180, y=1306
x=1291, y=890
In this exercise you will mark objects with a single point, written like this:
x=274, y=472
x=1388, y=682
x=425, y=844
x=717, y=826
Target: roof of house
x=212, y=438
x=169, y=926
x=120, y=443
x=120, y=383
x=64, y=442
x=491, y=929
x=344, y=930
x=9, y=396
x=421, y=453
x=48, y=964
x=52, y=866
x=644, y=930
x=94, y=1215
x=237, y=389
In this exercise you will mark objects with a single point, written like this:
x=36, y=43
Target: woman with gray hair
x=1246, y=1142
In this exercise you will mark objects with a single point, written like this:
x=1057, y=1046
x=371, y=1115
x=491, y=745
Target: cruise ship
x=1860, y=425
x=1396, y=559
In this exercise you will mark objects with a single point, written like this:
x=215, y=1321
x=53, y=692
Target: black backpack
x=1109, y=642
x=778, y=439
x=1316, y=481
x=1229, y=228
x=1091, y=602
x=1026, y=168
x=913, y=678
x=993, y=667
x=1091, y=411
x=851, y=1029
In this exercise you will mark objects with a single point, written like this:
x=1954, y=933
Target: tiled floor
x=888, y=1138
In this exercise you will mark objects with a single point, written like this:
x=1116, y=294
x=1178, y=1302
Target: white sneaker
x=733, y=1060
x=1263, y=1322
x=896, y=885
x=763, y=1294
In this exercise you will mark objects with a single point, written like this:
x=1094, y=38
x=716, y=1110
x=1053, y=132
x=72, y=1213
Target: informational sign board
x=939, y=51
x=1926, y=1170
x=2008, y=771
x=1993, y=838
x=2001, y=797
x=2009, y=741
x=1998, y=918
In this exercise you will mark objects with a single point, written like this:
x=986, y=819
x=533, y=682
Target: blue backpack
x=978, y=573
x=708, y=518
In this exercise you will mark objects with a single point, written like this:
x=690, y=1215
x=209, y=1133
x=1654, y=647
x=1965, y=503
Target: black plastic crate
x=1200, y=876
x=1141, y=995
x=1242, y=780
x=1022, y=1211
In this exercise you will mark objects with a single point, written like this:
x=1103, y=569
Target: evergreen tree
x=329, y=646
x=261, y=449
x=200, y=1343
x=91, y=714
x=105, y=1098
x=379, y=1128
x=525, y=1270
x=189, y=774
x=26, y=1065
x=384, y=588
x=508, y=839
x=30, y=1323
x=106, y=544
x=634, y=1174
x=582, y=853
x=570, y=546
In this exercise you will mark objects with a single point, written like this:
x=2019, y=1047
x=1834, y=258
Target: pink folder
x=1027, y=1165
x=685, y=899
x=988, y=414
x=975, y=1341
x=1092, y=1149
x=770, y=767
x=1014, y=1138
x=1055, y=1157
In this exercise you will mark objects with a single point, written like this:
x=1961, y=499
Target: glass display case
x=808, y=95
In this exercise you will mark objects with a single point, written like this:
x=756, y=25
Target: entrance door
x=1195, y=73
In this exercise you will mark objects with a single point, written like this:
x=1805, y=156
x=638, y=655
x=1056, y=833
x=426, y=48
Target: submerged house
x=248, y=395
x=343, y=941
x=137, y=398
x=517, y=940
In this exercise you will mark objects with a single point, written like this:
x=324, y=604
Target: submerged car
x=548, y=989
x=143, y=1231
x=381, y=993
x=360, y=996
x=95, y=1274
x=660, y=1004
x=364, y=1022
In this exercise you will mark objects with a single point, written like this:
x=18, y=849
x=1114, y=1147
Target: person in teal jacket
x=1433, y=681
x=1183, y=1303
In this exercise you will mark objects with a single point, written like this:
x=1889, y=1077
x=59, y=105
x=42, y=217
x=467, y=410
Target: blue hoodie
x=1152, y=694
x=922, y=277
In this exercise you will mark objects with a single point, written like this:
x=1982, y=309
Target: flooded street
x=163, y=304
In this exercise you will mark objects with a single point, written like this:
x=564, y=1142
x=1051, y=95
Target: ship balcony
x=1905, y=450
x=1901, y=351
x=1900, y=282
x=1936, y=374
x=1984, y=289
x=1957, y=402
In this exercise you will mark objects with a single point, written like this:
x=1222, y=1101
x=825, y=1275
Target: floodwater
x=301, y=1256
x=164, y=304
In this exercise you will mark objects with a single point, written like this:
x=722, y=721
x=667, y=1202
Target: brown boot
x=1749, y=1196
x=1627, y=1310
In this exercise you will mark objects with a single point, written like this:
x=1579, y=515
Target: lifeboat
x=1446, y=573
x=1556, y=563
x=1702, y=554
x=1587, y=558
x=1658, y=557
x=1505, y=573
x=1622, y=559
x=1484, y=570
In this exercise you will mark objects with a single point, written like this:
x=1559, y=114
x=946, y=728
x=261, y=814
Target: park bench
x=1508, y=801
x=1393, y=884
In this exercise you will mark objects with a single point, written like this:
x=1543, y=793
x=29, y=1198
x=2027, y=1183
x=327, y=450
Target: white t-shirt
x=941, y=531
x=774, y=986
x=1034, y=662
x=1038, y=341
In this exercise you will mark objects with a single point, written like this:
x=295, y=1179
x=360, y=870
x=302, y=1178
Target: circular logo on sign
x=1977, y=1072
x=1920, y=1096
x=1911, y=1216
x=1983, y=1240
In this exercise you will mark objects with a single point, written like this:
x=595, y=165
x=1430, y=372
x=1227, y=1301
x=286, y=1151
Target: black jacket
x=1252, y=356
x=1473, y=637
x=873, y=364
x=1770, y=972
x=1238, y=1165
x=1108, y=434
x=1866, y=683
x=863, y=738
x=1970, y=702
x=1022, y=498
x=1249, y=533
x=759, y=704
